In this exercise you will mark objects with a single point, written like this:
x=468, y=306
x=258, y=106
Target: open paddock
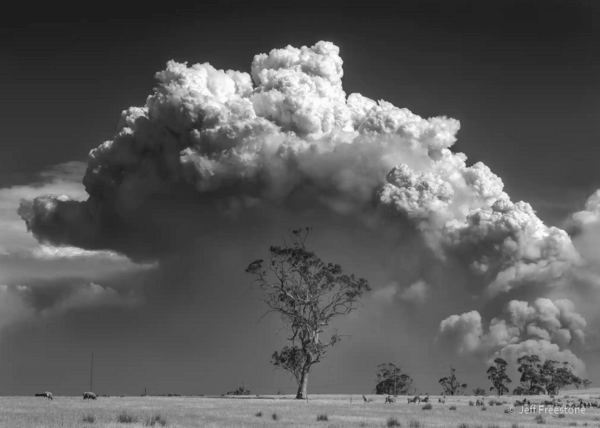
x=341, y=410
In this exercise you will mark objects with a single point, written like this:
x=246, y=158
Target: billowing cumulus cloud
x=546, y=328
x=210, y=141
x=212, y=145
x=23, y=258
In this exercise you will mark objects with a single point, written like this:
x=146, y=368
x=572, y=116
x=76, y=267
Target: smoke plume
x=210, y=145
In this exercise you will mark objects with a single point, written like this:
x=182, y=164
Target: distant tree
x=240, y=391
x=577, y=383
x=478, y=391
x=391, y=381
x=497, y=375
x=556, y=376
x=531, y=376
x=586, y=383
x=451, y=385
x=519, y=390
x=308, y=293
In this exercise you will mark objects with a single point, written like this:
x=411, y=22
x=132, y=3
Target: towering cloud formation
x=210, y=142
x=545, y=328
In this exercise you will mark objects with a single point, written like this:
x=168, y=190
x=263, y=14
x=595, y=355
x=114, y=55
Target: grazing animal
x=46, y=394
x=367, y=400
x=426, y=399
x=442, y=400
x=89, y=395
x=479, y=402
x=390, y=399
x=416, y=399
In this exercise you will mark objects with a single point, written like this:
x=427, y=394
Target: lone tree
x=451, y=385
x=391, y=381
x=308, y=293
x=497, y=375
x=586, y=383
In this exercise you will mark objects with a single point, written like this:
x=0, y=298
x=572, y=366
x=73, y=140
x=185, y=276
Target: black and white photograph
x=300, y=214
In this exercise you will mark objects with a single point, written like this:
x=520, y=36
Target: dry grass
x=206, y=412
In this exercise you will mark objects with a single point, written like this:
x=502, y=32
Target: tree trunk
x=303, y=386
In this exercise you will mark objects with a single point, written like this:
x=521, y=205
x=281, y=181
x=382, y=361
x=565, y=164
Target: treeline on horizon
x=537, y=377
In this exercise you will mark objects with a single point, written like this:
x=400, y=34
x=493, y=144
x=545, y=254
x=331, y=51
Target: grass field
x=341, y=411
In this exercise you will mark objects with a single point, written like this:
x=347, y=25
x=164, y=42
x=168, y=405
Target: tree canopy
x=497, y=375
x=391, y=381
x=451, y=385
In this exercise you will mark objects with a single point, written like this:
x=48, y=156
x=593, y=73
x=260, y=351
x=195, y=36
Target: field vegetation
x=331, y=411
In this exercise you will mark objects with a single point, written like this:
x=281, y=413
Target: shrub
x=539, y=419
x=393, y=422
x=275, y=416
x=126, y=418
x=363, y=424
x=90, y=419
x=516, y=426
x=416, y=424
x=562, y=415
x=463, y=425
x=156, y=420
x=484, y=408
x=452, y=408
x=471, y=403
x=323, y=417
x=258, y=415
x=573, y=424
x=427, y=406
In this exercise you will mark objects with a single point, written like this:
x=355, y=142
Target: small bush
x=539, y=419
x=427, y=406
x=573, y=424
x=463, y=425
x=275, y=416
x=90, y=419
x=452, y=408
x=156, y=420
x=516, y=426
x=258, y=415
x=126, y=418
x=471, y=403
x=484, y=408
x=393, y=422
x=363, y=424
x=562, y=415
x=416, y=424
x=323, y=417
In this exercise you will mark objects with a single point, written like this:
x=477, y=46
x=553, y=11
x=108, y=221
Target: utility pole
x=92, y=373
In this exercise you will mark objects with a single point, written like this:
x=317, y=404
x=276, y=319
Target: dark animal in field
x=367, y=400
x=390, y=399
x=46, y=394
x=442, y=400
x=426, y=399
x=416, y=399
x=89, y=395
x=479, y=403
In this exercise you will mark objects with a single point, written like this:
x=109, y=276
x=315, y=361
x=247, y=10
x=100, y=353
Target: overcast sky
x=194, y=184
